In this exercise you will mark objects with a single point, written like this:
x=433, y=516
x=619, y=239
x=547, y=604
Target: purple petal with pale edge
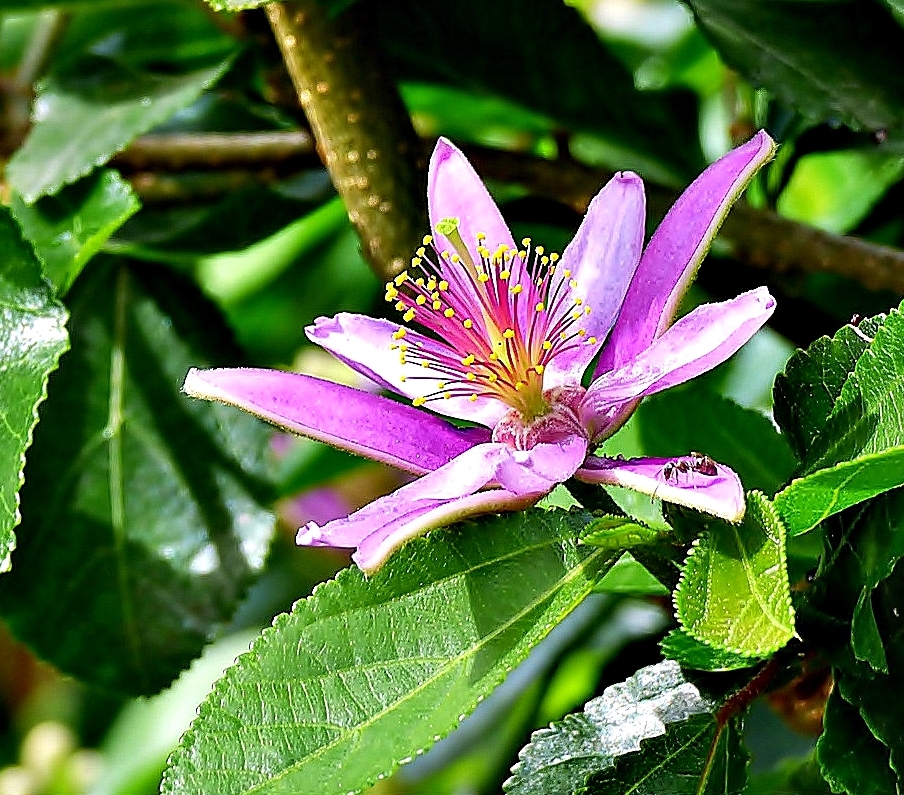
x=364, y=424
x=455, y=191
x=676, y=249
x=602, y=258
x=699, y=341
x=450, y=493
x=363, y=343
x=721, y=494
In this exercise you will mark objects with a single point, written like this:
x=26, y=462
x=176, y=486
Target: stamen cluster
x=496, y=321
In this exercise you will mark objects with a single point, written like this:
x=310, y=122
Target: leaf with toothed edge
x=32, y=339
x=649, y=734
x=734, y=592
x=681, y=646
x=366, y=673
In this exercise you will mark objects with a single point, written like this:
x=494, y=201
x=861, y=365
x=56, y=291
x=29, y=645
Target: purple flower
x=506, y=333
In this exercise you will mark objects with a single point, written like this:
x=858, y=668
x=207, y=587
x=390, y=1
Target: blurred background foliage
x=173, y=188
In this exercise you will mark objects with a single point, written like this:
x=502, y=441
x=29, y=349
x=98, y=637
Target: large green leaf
x=807, y=392
x=852, y=760
x=70, y=228
x=679, y=421
x=365, y=674
x=807, y=501
x=734, y=592
x=653, y=728
x=93, y=109
x=142, y=523
x=833, y=60
x=32, y=338
x=556, y=66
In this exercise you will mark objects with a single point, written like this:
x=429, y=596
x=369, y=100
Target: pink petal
x=676, y=249
x=720, y=494
x=517, y=479
x=364, y=343
x=699, y=341
x=601, y=258
x=455, y=191
x=364, y=424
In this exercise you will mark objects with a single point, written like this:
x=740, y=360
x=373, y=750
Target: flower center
x=496, y=319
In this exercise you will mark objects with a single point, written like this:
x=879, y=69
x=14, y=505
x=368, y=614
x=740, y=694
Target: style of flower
x=507, y=332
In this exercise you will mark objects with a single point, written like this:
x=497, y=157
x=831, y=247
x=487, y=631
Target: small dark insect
x=699, y=463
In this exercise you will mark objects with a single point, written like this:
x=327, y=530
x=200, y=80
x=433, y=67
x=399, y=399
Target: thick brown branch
x=362, y=129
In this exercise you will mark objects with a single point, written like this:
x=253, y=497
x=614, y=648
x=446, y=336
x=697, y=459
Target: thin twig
x=362, y=129
x=757, y=237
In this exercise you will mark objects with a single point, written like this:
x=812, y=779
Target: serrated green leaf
x=734, y=592
x=807, y=392
x=678, y=421
x=70, y=228
x=619, y=532
x=87, y=113
x=678, y=763
x=852, y=760
x=833, y=61
x=142, y=523
x=616, y=729
x=548, y=80
x=364, y=674
x=32, y=339
x=807, y=501
x=687, y=651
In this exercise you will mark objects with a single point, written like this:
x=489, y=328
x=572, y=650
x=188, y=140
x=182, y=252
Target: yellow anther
x=421, y=300
x=447, y=395
x=420, y=251
x=427, y=240
x=516, y=289
x=578, y=301
x=415, y=262
x=563, y=336
x=586, y=310
x=468, y=323
x=425, y=363
x=505, y=274
x=443, y=285
x=508, y=333
x=450, y=312
x=572, y=284
x=591, y=341
x=468, y=360
x=481, y=236
x=472, y=398
x=431, y=283
x=398, y=334
x=440, y=384
x=525, y=241
x=494, y=357
x=418, y=401
x=547, y=344
x=471, y=377
x=483, y=278
x=539, y=249
x=401, y=278
x=519, y=385
x=436, y=305
x=493, y=378
x=400, y=305
x=540, y=307
x=455, y=259
x=553, y=257
x=392, y=294
x=577, y=315
x=408, y=316
x=404, y=346
x=539, y=368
